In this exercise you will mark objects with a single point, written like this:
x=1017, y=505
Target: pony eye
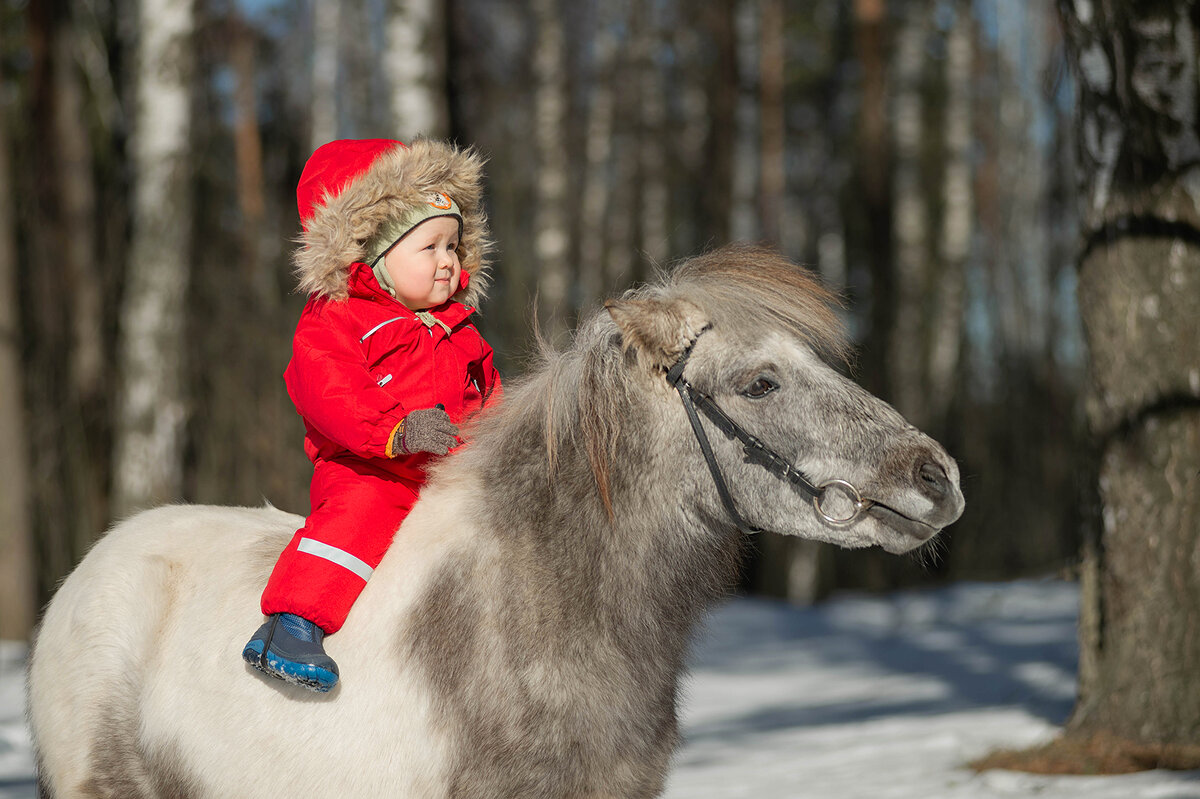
x=759, y=388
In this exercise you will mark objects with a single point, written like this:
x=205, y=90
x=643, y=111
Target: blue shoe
x=289, y=647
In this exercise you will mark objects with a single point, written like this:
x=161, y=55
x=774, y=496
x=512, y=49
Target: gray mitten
x=426, y=430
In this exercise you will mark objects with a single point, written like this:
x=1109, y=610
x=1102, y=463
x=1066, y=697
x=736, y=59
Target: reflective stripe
x=334, y=555
x=375, y=329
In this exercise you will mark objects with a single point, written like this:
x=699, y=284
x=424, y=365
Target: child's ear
x=659, y=331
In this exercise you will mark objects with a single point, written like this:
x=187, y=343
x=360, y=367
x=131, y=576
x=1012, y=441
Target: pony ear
x=660, y=331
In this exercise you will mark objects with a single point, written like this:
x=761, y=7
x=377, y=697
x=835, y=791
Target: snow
x=871, y=697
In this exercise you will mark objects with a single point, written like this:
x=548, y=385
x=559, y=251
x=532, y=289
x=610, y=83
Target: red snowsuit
x=358, y=366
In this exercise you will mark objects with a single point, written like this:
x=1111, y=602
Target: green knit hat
x=393, y=230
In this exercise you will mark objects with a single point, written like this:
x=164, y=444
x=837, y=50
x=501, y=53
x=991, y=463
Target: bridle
x=756, y=452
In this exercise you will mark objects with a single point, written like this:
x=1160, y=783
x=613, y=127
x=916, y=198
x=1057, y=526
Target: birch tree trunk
x=16, y=552
x=1139, y=291
x=906, y=341
x=550, y=189
x=954, y=239
x=622, y=213
x=654, y=135
x=326, y=35
x=598, y=148
x=415, y=68
x=151, y=406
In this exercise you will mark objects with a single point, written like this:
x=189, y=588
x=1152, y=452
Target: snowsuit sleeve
x=331, y=387
x=492, y=390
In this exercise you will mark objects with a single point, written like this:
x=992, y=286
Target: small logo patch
x=440, y=201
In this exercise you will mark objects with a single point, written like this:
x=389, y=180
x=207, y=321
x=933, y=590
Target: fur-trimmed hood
x=350, y=187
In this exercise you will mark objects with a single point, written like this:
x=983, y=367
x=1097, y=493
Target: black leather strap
x=756, y=451
x=705, y=447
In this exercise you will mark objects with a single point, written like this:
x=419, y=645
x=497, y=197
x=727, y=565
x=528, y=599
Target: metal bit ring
x=860, y=504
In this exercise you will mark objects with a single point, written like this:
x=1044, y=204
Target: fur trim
x=398, y=180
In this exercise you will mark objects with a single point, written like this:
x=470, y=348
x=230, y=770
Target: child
x=384, y=367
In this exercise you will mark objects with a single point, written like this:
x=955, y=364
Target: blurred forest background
x=916, y=153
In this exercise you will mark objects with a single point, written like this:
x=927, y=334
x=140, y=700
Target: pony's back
x=102, y=636
x=137, y=687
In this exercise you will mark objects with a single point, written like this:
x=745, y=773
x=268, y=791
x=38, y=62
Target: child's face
x=424, y=266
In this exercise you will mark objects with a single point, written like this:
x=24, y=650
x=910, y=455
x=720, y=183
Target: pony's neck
x=645, y=575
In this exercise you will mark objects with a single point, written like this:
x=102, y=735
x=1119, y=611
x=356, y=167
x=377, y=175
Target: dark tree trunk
x=874, y=188
x=16, y=549
x=718, y=17
x=1139, y=294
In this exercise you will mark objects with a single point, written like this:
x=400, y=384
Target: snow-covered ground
x=879, y=698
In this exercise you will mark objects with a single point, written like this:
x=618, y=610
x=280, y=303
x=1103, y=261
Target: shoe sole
x=321, y=682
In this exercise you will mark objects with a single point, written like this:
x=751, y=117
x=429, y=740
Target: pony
x=526, y=633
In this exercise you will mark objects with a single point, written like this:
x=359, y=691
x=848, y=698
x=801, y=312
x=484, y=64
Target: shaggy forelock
x=744, y=285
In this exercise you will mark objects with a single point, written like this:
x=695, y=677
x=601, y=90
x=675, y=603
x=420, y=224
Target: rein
x=756, y=452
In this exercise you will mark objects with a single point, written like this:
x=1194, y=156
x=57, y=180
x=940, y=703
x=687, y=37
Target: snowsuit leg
x=355, y=512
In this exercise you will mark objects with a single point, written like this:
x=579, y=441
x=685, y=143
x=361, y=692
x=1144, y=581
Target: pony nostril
x=934, y=480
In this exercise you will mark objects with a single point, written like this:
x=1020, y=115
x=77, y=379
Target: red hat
x=332, y=167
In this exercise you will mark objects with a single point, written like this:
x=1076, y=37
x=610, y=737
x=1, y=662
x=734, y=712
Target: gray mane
x=752, y=286
x=580, y=400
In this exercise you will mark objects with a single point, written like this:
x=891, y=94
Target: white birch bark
x=622, y=248
x=414, y=65
x=1018, y=278
x=326, y=33
x=1139, y=288
x=16, y=552
x=598, y=154
x=954, y=240
x=906, y=351
x=652, y=140
x=550, y=188
x=150, y=414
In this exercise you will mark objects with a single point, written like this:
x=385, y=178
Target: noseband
x=756, y=452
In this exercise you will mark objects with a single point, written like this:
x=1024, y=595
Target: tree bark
x=1139, y=290
x=954, y=240
x=17, y=571
x=550, y=190
x=744, y=221
x=248, y=157
x=719, y=19
x=652, y=135
x=771, y=115
x=598, y=150
x=415, y=65
x=326, y=35
x=907, y=339
x=874, y=188
x=151, y=409
x=63, y=278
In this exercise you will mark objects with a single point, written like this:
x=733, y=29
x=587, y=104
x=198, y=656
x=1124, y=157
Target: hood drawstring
x=430, y=320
